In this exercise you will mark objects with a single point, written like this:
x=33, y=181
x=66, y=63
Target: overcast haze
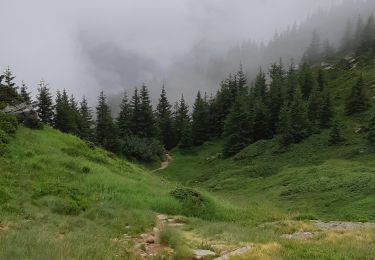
x=89, y=45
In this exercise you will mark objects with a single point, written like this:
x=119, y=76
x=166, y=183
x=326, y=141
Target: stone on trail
x=237, y=252
x=299, y=235
x=201, y=254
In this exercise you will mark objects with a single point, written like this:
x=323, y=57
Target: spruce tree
x=357, y=101
x=146, y=116
x=237, y=131
x=321, y=79
x=65, y=118
x=327, y=109
x=313, y=53
x=275, y=101
x=200, y=120
x=164, y=121
x=135, y=120
x=299, y=117
x=183, y=125
x=260, y=121
x=106, y=134
x=291, y=83
x=124, y=117
x=306, y=80
x=24, y=94
x=347, y=41
x=260, y=87
x=86, y=121
x=368, y=34
x=315, y=108
x=336, y=135
x=285, y=126
x=45, y=104
x=8, y=90
x=241, y=81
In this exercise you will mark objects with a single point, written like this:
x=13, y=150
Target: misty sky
x=89, y=45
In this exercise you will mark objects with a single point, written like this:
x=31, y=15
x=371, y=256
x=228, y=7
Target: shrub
x=8, y=123
x=194, y=203
x=142, y=149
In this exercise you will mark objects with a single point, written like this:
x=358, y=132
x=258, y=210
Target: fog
x=90, y=45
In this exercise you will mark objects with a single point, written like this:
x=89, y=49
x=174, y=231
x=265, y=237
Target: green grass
x=62, y=199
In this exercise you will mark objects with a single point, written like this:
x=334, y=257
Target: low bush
x=194, y=203
x=8, y=123
x=142, y=149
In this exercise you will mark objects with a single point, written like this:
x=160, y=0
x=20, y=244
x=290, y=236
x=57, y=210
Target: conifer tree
x=146, y=116
x=260, y=87
x=200, y=120
x=328, y=50
x=336, y=135
x=306, y=80
x=86, y=121
x=368, y=34
x=241, y=81
x=135, y=121
x=259, y=119
x=106, y=134
x=45, y=104
x=321, y=79
x=124, y=117
x=24, y=94
x=357, y=101
x=299, y=117
x=64, y=117
x=164, y=121
x=315, y=107
x=285, y=126
x=237, y=131
x=291, y=83
x=327, y=109
x=275, y=102
x=183, y=125
x=8, y=90
x=312, y=54
x=347, y=41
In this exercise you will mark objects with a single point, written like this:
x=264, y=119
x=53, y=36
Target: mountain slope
x=61, y=197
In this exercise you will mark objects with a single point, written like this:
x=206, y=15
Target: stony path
x=165, y=163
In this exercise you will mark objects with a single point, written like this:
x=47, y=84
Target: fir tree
x=237, y=129
x=368, y=34
x=45, y=104
x=86, y=121
x=106, y=134
x=200, y=120
x=347, y=41
x=357, y=101
x=315, y=107
x=135, y=106
x=164, y=121
x=146, y=116
x=312, y=54
x=8, y=90
x=321, y=79
x=183, y=125
x=285, y=126
x=260, y=119
x=326, y=109
x=299, y=117
x=24, y=94
x=336, y=136
x=124, y=117
x=64, y=116
x=241, y=81
x=306, y=80
x=291, y=83
x=260, y=87
x=275, y=102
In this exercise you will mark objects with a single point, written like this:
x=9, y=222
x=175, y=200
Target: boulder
x=25, y=113
x=202, y=254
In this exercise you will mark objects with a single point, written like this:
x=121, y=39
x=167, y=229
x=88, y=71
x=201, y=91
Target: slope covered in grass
x=60, y=197
x=307, y=180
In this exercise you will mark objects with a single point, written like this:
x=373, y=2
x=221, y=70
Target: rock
x=150, y=240
x=342, y=225
x=162, y=217
x=201, y=254
x=25, y=114
x=237, y=252
x=299, y=235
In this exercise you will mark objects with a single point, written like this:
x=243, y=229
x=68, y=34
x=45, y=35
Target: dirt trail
x=165, y=163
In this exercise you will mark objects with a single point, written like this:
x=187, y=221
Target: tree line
x=288, y=102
